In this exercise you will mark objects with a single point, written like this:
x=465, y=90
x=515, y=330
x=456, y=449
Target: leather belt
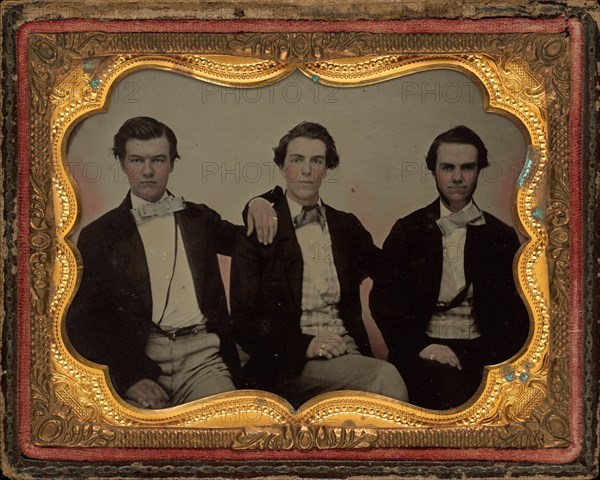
x=180, y=332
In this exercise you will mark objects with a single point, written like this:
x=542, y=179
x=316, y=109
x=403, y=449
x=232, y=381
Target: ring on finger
x=432, y=357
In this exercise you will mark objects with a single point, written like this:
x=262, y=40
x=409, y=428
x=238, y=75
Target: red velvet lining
x=502, y=25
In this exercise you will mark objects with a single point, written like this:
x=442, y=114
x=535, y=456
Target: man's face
x=456, y=174
x=147, y=165
x=304, y=169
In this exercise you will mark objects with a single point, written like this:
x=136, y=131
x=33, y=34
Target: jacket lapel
x=130, y=254
x=341, y=261
x=193, y=235
x=431, y=239
x=290, y=251
x=473, y=244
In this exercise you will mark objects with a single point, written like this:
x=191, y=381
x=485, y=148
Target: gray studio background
x=226, y=137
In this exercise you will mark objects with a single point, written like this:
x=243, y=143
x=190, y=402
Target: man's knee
x=384, y=370
x=390, y=381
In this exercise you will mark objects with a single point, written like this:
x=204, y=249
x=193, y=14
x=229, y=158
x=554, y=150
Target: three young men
x=151, y=305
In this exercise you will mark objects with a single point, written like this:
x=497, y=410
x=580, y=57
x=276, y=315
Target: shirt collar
x=137, y=202
x=295, y=207
x=444, y=211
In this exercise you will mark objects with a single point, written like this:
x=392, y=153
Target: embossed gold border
x=523, y=404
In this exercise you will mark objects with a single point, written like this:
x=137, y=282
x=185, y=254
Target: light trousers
x=192, y=366
x=351, y=371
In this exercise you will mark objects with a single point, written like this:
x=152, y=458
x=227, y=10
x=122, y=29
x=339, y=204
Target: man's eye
x=317, y=161
x=469, y=167
x=159, y=160
x=447, y=168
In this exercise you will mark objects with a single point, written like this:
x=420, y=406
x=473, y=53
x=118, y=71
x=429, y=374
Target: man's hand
x=326, y=346
x=148, y=394
x=441, y=354
x=263, y=219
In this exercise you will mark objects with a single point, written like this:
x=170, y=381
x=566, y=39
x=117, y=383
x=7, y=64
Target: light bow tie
x=157, y=209
x=471, y=215
x=310, y=215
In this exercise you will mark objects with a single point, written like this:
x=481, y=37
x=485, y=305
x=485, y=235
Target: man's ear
x=172, y=166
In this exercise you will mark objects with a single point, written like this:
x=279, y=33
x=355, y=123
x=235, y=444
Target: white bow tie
x=157, y=209
x=449, y=223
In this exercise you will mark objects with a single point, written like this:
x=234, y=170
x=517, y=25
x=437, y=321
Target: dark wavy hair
x=460, y=134
x=308, y=130
x=143, y=128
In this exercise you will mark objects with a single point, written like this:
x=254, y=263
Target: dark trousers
x=439, y=386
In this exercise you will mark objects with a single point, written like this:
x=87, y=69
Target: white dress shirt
x=320, y=284
x=457, y=322
x=158, y=236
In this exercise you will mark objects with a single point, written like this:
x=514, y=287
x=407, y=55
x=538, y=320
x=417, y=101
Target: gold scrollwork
x=298, y=47
x=522, y=76
x=304, y=438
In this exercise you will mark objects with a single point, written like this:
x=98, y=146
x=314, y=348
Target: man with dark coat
x=446, y=302
x=295, y=304
x=151, y=305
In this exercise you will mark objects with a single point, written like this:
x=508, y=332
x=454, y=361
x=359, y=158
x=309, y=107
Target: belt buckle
x=184, y=332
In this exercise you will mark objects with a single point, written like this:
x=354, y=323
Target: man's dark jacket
x=403, y=299
x=266, y=294
x=111, y=315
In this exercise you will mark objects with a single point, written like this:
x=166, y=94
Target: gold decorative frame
x=529, y=408
x=524, y=403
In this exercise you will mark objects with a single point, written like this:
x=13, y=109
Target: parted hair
x=308, y=130
x=462, y=135
x=143, y=128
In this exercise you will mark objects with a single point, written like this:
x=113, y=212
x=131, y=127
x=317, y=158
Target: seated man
x=295, y=304
x=151, y=304
x=446, y=301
